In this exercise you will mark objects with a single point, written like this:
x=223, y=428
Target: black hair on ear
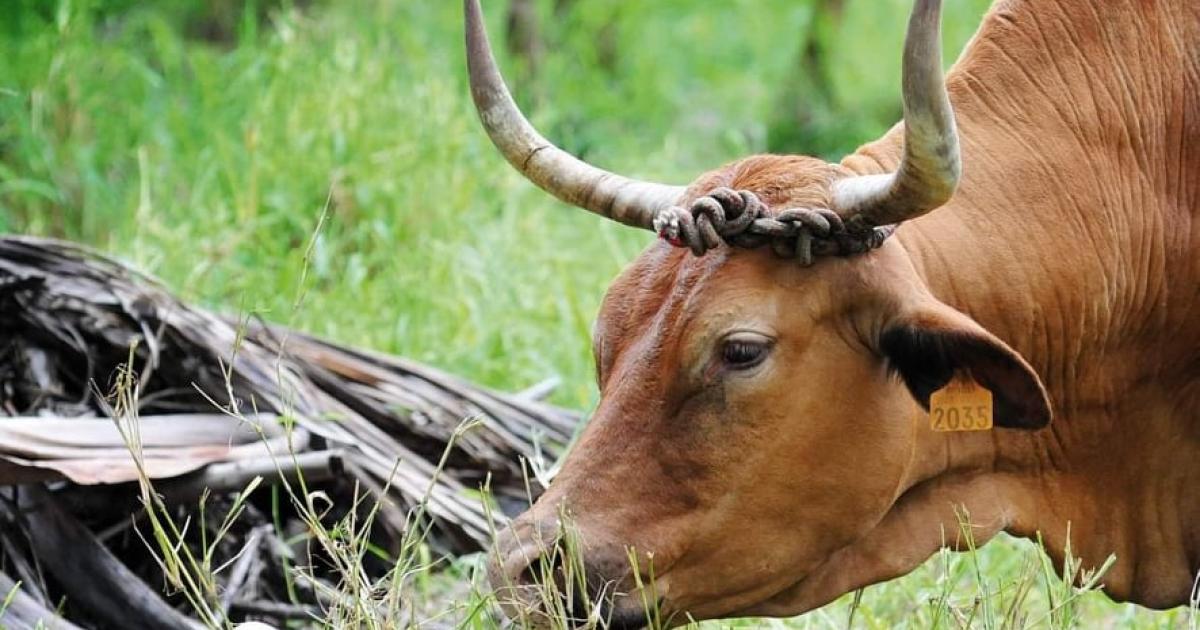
x=928, y=354
x=920, y=358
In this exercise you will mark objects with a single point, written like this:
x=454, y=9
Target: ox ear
x=929, y=347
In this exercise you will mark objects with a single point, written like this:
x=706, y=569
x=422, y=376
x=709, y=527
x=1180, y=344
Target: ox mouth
x=629, y=618
x=624, y=614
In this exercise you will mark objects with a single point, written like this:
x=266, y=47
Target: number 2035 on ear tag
x=962, y=405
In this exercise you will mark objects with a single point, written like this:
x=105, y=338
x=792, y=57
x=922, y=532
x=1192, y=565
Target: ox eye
x=745, y=350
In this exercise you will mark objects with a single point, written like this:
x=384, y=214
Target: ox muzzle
x=545, y=574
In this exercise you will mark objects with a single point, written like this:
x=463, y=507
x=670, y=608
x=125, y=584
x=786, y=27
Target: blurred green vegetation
x=202, y=139
x=210, y=142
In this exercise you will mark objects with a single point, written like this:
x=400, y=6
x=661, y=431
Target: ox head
x=756, y=415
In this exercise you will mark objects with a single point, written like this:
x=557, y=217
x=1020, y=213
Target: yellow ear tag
x=962, y=405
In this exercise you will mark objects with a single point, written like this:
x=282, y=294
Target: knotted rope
x=740, y=219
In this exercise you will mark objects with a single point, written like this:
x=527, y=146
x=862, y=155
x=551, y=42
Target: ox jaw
x=906, y=537
x=1011, y=482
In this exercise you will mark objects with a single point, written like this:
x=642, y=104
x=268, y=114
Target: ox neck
x=1065, y=250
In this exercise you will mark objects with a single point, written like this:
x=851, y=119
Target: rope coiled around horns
x=739, y=218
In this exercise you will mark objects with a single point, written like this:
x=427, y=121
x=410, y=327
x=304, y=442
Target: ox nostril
x=581, y=594
x=557, y=576
x=539, y=575
x=536, y=575
x=523, y=566
x=535, y=572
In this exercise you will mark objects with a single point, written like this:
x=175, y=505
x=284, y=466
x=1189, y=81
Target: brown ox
x=760, y=430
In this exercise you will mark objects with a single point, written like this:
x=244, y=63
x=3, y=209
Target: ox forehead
x=762, y=445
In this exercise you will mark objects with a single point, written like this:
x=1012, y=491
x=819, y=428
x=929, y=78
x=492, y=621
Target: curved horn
x=574, y=181
x=931, y=166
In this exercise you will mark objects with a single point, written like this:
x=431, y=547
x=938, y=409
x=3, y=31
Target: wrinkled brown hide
x=1065, y=275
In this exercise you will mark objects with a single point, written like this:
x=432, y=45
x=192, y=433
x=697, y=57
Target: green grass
x=210, y=163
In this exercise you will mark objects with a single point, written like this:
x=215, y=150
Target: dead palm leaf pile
x=114, y=395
